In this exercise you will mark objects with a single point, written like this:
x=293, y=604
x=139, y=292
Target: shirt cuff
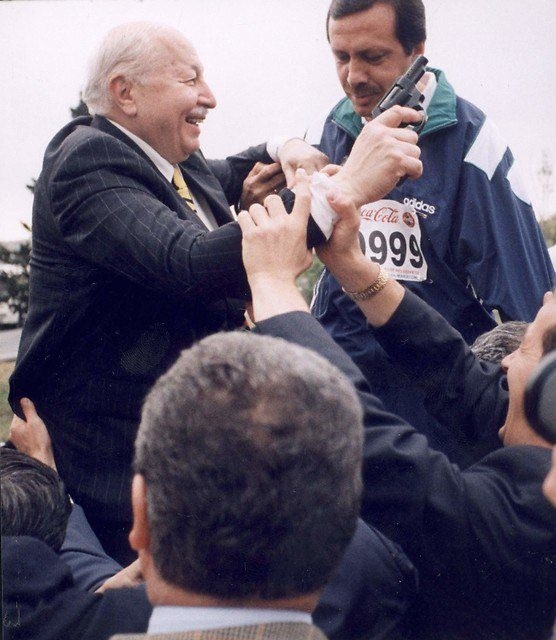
x=274, y=144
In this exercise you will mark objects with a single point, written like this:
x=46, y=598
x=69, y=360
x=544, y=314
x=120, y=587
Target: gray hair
x=251, y=452
x=130, y=50
x=496, y=344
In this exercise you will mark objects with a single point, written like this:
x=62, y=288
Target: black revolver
x=405, y=93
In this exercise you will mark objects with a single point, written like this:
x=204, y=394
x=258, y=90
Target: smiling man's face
x=172, y=101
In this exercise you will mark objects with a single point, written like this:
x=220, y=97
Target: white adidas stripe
x=488, y=149
x=487, y=152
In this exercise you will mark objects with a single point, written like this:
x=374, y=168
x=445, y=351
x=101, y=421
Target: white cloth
x=321, y=211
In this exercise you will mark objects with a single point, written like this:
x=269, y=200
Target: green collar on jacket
x=441, y=112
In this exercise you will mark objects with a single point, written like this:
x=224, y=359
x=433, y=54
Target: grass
x=6, y=414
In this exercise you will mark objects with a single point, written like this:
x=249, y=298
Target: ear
x=123, y=96
x=139, y=536
x=418, y=49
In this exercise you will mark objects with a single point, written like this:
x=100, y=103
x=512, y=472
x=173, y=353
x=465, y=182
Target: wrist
x=275, y=145
x=369, y=291
x=348, y=184
x=263, y=282
x=341, y=181
x=274, y=296
x=356, y=273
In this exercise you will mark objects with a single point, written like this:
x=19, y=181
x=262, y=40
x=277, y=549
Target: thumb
x=289, y=172
x=341, y=203
x=28, y=409
x=349, y=218
x=331, y=169
x=302, y=205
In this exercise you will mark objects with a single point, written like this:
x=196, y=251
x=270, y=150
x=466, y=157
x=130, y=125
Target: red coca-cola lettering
x=384, y=214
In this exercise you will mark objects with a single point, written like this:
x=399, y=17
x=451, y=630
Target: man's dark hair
x=411, y=26
x=34, y=499
x=251, y=452
x=496, y=344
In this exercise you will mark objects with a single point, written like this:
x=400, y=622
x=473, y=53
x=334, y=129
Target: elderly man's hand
x=382, y=154
x=263, y=180
x=298, y=154
x=30, y=436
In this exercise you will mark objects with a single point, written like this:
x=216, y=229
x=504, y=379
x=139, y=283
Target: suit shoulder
x=80, y=148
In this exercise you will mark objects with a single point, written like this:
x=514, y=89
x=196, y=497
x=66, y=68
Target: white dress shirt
x=174, y=619
x=167, y=170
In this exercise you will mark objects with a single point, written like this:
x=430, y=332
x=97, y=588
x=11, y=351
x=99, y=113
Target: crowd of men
x=198, y=454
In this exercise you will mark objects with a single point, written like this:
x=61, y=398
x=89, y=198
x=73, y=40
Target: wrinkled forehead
x=175, y=50
x=545, y=320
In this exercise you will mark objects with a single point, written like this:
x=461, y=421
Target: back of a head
x=496, y=344
x=130, y=50
x=411, y=28
x=34, y=499
x=251, y=452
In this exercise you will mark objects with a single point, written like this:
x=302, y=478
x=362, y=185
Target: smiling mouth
x=195, y=121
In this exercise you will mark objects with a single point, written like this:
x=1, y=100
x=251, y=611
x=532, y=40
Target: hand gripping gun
x=405, y=93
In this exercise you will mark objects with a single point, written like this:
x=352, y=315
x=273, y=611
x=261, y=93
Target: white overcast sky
x=269, y=65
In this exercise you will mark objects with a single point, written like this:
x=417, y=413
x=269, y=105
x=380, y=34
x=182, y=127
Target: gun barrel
x=416, y=70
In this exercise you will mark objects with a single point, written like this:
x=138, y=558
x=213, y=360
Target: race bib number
x=390, y=235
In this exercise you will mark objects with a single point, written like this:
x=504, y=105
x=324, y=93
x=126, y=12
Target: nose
x=505, y=362
x=206, y=97
x=356, y=72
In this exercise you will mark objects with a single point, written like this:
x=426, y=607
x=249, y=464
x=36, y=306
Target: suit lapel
x=199, y=176
x=179, y=205
x=196, y=172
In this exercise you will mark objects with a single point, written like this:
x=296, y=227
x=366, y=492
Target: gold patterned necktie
x=182, y=188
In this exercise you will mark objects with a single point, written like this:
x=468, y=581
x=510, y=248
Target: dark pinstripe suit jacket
x=123, y=276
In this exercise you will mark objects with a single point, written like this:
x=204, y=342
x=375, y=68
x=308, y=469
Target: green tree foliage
x=548, y=228
x=306, y=281
x=14, y=281
x=80, y=110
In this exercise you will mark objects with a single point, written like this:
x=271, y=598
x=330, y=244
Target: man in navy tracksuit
x=480, y=247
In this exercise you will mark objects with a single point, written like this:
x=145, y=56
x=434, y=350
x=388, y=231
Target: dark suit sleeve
x=40, y=600
x=413, y=493
x=84, y=555
x=371, y=591
x=232, y=171
x=113, y=211
x=461, y=391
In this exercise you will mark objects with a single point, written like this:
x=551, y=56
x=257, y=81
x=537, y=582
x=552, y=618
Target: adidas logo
x=420, y=205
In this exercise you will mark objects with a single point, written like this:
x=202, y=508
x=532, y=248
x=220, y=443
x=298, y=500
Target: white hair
x=129, y=50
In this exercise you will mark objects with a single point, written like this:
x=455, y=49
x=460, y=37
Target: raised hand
x=382, y=154
x=30, y=436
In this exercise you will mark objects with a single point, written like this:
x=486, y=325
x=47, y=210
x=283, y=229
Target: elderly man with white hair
x=136, y=255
